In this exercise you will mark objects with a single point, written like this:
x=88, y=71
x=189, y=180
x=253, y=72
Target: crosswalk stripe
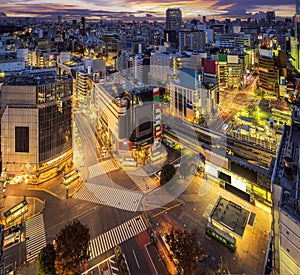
x=124, y=230
x=136, y=228
x=108, y=240
x=35, y=232
x=97, y=246
x=138, y=225
x=85, y=194
x=144, y=183
x=116, y=235
x=101, y=168
x=94, y=248
x=101, y=244
x=105, y=246
x=115, y=197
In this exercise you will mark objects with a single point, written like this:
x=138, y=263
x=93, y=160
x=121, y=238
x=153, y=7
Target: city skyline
x=131, y=10
x=168, y=134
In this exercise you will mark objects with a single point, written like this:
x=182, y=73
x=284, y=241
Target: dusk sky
x=154, y=9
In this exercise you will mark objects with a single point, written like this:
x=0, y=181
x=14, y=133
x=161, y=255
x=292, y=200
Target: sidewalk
x=165, y=257
x=35, y=205
x=56, y=188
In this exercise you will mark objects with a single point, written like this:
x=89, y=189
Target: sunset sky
x=154, y=9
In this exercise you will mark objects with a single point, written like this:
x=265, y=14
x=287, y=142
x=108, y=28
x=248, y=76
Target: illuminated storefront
x=257, y=189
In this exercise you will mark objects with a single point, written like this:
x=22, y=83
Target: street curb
x=45, y=190
x=76, y=189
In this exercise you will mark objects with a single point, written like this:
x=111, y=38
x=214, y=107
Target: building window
x=22, y=139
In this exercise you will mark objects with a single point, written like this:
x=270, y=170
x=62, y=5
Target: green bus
x=221, y=236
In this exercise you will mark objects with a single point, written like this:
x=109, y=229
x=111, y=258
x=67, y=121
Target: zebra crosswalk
x=145, y=184
x=35, y=236
x=116, y=236
x=95, y=170
x=116, y=197
x=111, y=196
x=108, y=165
x=85, y=194
x=101, y=168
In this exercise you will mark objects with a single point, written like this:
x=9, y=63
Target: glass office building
x=36, y=126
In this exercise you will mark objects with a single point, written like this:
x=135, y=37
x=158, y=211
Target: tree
x=46, y=260
x=167, y=173
x=72, y=248
x=121, y=261
x=186, y=249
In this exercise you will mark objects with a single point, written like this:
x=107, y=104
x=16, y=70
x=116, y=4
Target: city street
x=198, y=201
x=92, y=207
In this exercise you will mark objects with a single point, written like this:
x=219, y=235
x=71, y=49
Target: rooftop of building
x=35, y=79
x=120, y=89
x=230, y=215
x=10, y=60
x=287, y=170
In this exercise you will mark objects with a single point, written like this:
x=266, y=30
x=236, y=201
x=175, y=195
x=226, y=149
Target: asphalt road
x=193, y=213
x=14, y=256
x=136, y=258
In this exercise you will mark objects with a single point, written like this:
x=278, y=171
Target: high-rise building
x=129, y=118
x=173, y=25
x=298, y=7
x=193, y=40
x=36, y=126
x=294, y=41
x=83, y=23
x=230, y=70
x=160, y=67
x=190, y=99
x=270, y=18
x=286, y=201
x=173, y=19
x=268, y=72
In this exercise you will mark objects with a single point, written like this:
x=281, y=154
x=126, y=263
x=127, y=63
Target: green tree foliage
x=121, y=261
x=46, y=259
x=72, y=248
x=203, y=120
x=186, y=249
x=167, y=173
